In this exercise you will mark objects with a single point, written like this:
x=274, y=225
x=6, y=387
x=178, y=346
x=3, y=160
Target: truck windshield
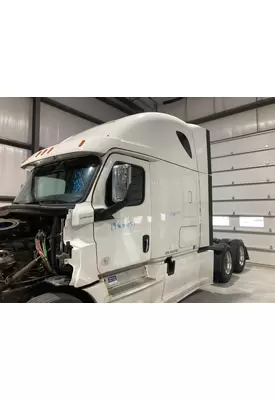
x=66, y=181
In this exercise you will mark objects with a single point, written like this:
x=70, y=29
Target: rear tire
x=55, y=298
x=223, y=265
x=238, y=256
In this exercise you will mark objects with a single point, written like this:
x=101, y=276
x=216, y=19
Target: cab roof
x=150, y=134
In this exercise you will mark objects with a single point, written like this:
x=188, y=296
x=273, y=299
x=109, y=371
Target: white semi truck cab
x=119, y=213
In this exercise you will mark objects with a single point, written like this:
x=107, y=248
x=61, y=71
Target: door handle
x=171, y=264
x=146, y=243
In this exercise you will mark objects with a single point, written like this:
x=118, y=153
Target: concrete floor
x=256, y=284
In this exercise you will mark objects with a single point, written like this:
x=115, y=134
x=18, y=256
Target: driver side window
x=136, y=191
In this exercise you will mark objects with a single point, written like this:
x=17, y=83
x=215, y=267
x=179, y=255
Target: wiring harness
x=41, y=248
x=40, y=260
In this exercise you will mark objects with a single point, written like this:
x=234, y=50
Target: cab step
x=135, y=285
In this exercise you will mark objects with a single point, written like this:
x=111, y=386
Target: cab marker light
x=43, y=152
x=51, y=149
x=37, y=154
x=81, y=143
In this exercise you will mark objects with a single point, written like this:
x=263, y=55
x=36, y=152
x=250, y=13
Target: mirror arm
x=103, y=214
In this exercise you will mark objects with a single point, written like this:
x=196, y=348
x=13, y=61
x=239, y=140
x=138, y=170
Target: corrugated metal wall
x=11, y=175
x=15, y=119
x=15, y=123
x=55, y=126
x=243, y=164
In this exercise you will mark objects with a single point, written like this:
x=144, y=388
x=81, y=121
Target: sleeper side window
x=136, y=192
x=185, y=143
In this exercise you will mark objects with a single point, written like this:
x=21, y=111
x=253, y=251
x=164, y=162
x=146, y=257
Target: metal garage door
x=244, y=192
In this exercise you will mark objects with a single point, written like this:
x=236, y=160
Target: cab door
x=124, y=239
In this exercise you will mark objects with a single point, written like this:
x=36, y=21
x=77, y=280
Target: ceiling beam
x=15, y=143
x=170, y=101
x=111, y=103
x=154, y=102
x=130, y=104
x=142, y=102
x=36, y=106
x=232, y=111
x=70, y=110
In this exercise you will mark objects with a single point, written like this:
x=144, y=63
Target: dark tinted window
x=185, y=143
x=136, y=192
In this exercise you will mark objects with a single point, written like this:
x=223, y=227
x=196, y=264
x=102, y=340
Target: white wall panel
x=244, y=192
x=57, y=125
x=260, y=257
x=244, y=176
x=11, y=175
x=225, y=103
x=233, y=126
x=178, y=109
x=15, y=118
x=266, y=117
x=250, y=239
x=92, y=107
x=244, y=144
x=244, y=160
x=244, y=208
x=199, y=107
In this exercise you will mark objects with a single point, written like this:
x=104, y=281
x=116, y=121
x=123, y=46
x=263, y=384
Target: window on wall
x=185, y=143
x=221, y=221
x=136, y=192
x=252, y=222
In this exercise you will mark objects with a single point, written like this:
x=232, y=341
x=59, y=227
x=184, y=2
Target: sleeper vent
x=185, y=143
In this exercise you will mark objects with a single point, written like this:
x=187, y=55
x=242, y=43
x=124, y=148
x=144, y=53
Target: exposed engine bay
x=32, y=249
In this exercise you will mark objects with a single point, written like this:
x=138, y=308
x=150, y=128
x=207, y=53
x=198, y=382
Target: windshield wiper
x=54, y=202
x=28, y=202
x=43, y=202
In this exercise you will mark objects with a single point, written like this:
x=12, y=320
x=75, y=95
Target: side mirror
x=121, y=180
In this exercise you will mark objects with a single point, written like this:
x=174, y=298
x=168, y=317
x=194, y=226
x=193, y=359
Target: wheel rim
x=227, y=263
x=242, y=258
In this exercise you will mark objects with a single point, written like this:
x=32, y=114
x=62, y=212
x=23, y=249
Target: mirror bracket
x=103, y=214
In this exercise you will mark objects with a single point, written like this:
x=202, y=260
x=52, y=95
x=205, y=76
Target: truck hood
x=36, y=209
